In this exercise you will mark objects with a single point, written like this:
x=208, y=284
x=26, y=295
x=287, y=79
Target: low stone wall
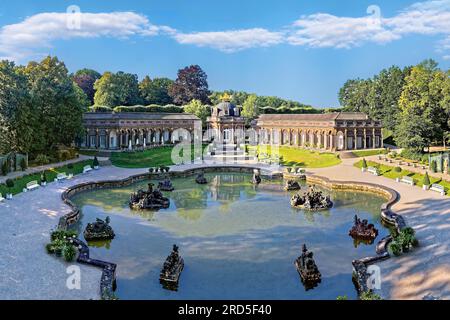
x=360, y=275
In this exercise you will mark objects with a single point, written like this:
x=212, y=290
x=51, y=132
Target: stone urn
x=363, y=169
x=425, y=187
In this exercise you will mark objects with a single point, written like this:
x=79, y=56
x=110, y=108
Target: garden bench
x=32, y=185
x=61, y=176
x=87, y=168
x=373, y=171
x=438, y=188
x=407, y=180
x=1, y=198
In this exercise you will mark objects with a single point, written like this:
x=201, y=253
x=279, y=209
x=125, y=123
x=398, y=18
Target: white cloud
x=39, y=31
x=232, y=40
x=320, y=30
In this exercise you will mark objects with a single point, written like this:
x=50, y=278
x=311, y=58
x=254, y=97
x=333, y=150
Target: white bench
x=61, y=176
x=87, y=168
x=438, y=188
x=32, y=185
x=373, y=171
x=407, y=180
x=1, y=198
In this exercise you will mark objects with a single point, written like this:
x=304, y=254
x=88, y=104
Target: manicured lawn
x=304, y=158
x=389, y=172
x=21, y=182
x=156, y=157
x=367, y=153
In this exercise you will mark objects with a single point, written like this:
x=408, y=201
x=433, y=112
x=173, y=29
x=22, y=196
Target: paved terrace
x=28, y=272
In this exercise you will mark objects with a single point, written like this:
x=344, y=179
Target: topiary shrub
x=43, y=177
x=9, y=184
x=95, y=162
x=70, y=166
x=150, y=170
x=398, y=169
x=426, y=179
x=364, y=163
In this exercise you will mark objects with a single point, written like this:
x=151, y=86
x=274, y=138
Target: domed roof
x=226, y=108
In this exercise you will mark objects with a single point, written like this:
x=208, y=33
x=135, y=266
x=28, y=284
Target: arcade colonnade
x=334, y=131
x=111, y=131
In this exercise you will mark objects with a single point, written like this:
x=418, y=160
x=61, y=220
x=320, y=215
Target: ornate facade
x=328, y=131
x=225, y=123
x=115, y=131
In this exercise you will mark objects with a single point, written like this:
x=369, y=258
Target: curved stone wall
x=359, y=266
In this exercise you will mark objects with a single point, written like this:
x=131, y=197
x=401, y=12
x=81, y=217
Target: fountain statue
x=256, y=177
x=307, y=268
x=165, y=185
x=99, y=230
x=201, y=179
x=150, y=199
x=171, y=271
x=362, y=230
x=311, y=200
x=292, y=185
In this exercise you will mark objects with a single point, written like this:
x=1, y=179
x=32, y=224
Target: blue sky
x=295, y=49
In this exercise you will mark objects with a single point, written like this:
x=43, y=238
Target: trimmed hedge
x=170, y=108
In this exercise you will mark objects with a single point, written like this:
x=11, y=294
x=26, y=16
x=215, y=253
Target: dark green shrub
x=9, y=184
x=395, y=248
x=369, y=295
x=433, y=166
x=95, y=162
x=70, y=166
x=42, y=159
x=407, y=239
x=68, y=252
x=426, y=179
x=150, y=170
x=398, y=169
x=364, y=163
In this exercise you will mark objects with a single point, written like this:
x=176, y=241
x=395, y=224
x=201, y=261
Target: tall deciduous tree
x=16, y=118
x=198, y=108
x=190, y=84
x=57, y=102
x=422, y=98
x=85, y=79
x=353, y=96
x=155, y=91
x=250, y=108
x=117, y=89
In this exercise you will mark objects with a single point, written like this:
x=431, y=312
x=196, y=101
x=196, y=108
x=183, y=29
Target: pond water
x=238, y=241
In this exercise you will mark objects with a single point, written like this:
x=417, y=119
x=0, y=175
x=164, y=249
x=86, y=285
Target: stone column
x=107, y=137
x=355, y=132
x=364, y=142
x=97, y=139
x=345, y=139
x=373, y=138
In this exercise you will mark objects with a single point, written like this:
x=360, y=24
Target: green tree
x=117, y=89
x=16, y=119
x=250, y=109
x=198, y=108
x=155, y=91
x=353, y=96
x=421, y=101
x=57, y=103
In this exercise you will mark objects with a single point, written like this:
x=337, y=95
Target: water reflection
x=239, y=241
